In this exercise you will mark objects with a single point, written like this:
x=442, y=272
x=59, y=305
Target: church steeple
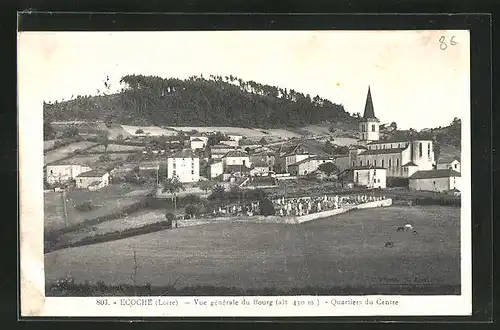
x=369, y=112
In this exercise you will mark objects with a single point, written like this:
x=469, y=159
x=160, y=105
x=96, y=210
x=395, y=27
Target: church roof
x=410, y=164
x=382, y=151
x=369, y=112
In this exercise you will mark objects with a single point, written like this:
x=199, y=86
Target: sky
x=413, y=81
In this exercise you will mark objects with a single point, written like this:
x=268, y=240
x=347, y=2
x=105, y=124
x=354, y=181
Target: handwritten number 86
x=442, y=42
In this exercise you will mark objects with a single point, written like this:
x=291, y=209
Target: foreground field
x=346, y=250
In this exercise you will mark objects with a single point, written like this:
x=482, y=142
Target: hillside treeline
x=199, y=101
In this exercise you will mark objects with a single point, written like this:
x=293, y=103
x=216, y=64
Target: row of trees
x=215, y=101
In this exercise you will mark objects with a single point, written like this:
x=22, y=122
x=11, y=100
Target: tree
x=119, y=137
x=329, y=148
x=173, y=186
x=104, y=140
x=48, y=131
x=206, y=186
x=139, y=131
x=266, y=207
x=328, y=168
x=262, y=141
x=70, y=131
x=191, y=210
x=218, y=192
x=394, y=125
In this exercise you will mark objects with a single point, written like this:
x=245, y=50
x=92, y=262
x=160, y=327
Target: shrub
x=191, y=210
x=139, y=131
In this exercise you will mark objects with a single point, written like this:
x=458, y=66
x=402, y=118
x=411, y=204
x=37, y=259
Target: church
x=400, y=158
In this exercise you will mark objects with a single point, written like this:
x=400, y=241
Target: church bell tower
x=369, y=124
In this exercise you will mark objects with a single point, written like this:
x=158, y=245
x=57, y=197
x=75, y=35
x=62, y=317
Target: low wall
x=285, y=219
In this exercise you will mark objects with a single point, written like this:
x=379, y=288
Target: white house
x=93, y=180
x=185, y=165
x=216, y=169
x=236, y=157
x=308, y=165
x=297, y=153
x=236, y=138
x=370, y=176
x=444, y=164
x=197, y=143
x=64, y=172
x=435, y=180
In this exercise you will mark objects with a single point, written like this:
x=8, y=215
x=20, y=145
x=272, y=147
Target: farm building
x=370, y=176
x=265, y=157
x=308, y=165
x=235, y=171
x=234, y=137
x=93, y=180
x=444, y=164
x=236, y=157
x=184, y=165
x=296, y=153
x=64, y=172
x=435, y=180
x=216, y=169
x=197, y=144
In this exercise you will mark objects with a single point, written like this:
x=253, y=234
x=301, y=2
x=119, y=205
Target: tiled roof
x=369, y=112
x=434, y=174
x=196, y=140
x=369, y=167
x=184, y=154
x=310, y=159
x=236, y=153
x=93, y=174
x=382, y=151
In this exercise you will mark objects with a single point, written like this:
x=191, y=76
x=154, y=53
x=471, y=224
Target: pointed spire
x=369, y=112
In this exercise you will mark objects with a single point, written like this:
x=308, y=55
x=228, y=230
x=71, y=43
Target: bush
x=169, y=216
x=84, y=207
x=266, y=207
x=191, y=210
x=139, y=131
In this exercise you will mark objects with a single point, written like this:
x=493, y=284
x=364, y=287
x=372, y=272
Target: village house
x=60, y=173
x=219, y=150
x=216, y=169
x=444, y=164
x=267, y=157
x=400, y=158
x=247, y=145
x=236, y=157
x=295, y=154
x=260, y=168
x=184, y=165
x=308, y=165
x=435, y=180
x=93, y=180
x=234, y=137
x=370, y=176
x=198, y=142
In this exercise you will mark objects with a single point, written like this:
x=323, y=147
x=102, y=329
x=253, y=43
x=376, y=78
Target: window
x=353, y=163
x=397, y=162
x=382, y=163
x=455, y=168
x=357, y=177
x=368, y=162
x=373, y=128
x=51, y=172
x=420, y=149
x=243, y=162
x=360, y=163
x=429, y=150
x=81, y=180
x=192, y=172
x=390, y=163
x=173, y=173
x=375, y=162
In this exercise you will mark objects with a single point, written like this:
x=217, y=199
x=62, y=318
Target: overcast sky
x=413, y=81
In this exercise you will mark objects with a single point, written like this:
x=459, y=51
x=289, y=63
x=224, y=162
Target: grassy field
x=152, y=130
x=93, y=159
x=104, y=201
x=346, y=250
x=62, y=152
x=116, y=147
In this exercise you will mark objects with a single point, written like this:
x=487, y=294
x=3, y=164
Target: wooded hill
x=199, y=101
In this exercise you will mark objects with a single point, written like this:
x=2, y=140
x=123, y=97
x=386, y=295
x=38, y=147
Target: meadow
x=105, y=201
x=115, y=148
x=345, y=250
x=65, y=151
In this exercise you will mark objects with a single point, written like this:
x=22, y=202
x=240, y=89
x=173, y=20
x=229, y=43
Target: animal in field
x=401, y=228
x=415, y=232
x=408, y=226
x=389, y=244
